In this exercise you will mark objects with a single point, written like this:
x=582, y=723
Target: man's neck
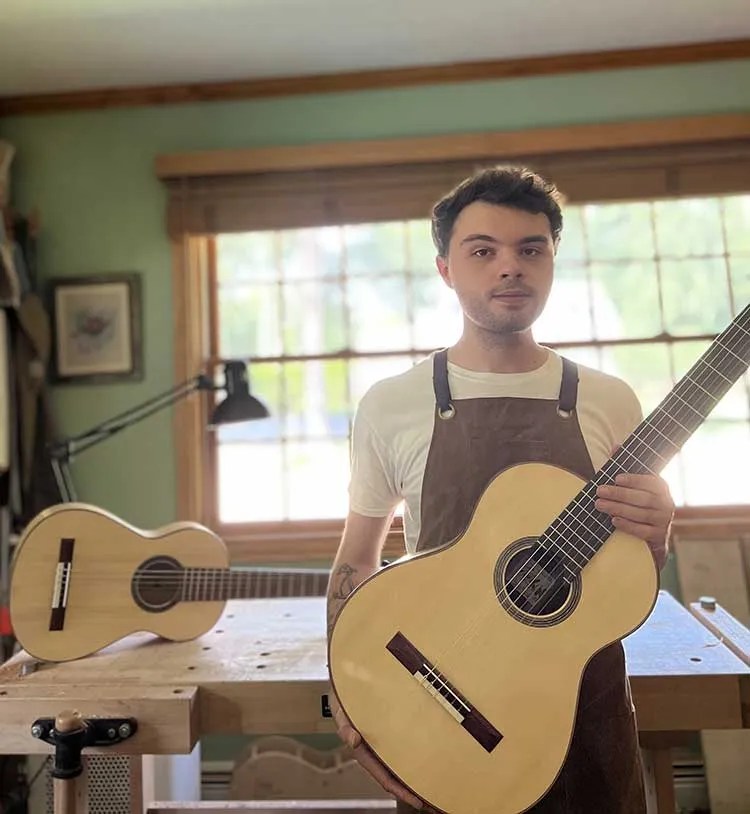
x=512, y=353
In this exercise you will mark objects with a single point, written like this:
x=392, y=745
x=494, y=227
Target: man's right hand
x=369, y=762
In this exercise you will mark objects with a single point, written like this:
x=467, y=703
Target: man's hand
x=640, y=505
x=366, y=759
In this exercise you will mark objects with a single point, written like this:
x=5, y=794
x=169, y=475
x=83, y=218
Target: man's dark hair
x=518, y=187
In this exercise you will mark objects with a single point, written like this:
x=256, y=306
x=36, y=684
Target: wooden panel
x=167, y=716
x=541, y=141
x=384, y=78
x=714, y=567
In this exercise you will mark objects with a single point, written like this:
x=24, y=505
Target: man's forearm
x=344, y=579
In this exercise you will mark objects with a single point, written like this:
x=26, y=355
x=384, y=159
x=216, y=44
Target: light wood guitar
x=82, y=578
x=461, y=667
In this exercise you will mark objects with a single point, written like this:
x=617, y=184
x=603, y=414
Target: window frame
x=194, y=307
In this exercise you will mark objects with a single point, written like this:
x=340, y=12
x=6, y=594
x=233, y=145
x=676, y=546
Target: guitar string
x=655, y=427
x=705, y=398
x=652, y=428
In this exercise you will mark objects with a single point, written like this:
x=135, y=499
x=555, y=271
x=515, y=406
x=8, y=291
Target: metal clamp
x=69, y=735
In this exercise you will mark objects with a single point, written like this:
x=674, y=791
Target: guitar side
x=523, y=680
x=99, y=607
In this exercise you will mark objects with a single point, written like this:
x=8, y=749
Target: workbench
x=262, y=670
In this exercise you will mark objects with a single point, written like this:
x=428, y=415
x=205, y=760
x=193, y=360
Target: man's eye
x=482, y=252
x=532, y=251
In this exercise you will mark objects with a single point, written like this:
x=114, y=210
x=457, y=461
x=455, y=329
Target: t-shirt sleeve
x=372, y=488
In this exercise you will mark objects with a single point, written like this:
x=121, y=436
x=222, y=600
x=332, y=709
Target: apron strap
x=566, y=400
x=568, y=388
x=440, y=384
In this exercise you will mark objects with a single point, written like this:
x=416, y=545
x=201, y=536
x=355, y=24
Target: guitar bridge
x=62, y=584
x=443, y=692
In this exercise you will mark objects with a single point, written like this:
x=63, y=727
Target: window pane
x=250, y=257
x=317, y=400
x=740, y=273
x=437, y=316
x=715, y=464
x=250, y=482
x=375, y=248
x=625, y=299
x=646, y=368
x=619, y=231
x=421, y=249
x=567, y=315
x=737, y=224
x=696, y=296
x=379, y=308
x=249, y=320
x=311, y=253
x=318, y=479
x=689, y=227
x=314, y=320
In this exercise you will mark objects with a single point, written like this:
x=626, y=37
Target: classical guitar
x=82, y=578
x=461, y=666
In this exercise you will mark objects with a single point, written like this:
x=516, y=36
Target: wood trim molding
x=100, y=98
x=548, y=141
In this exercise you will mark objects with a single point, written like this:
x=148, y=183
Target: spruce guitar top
x=82, y=578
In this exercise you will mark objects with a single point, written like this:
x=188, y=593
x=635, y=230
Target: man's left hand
x=640, y=505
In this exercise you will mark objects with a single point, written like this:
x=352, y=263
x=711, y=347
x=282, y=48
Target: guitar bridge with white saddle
x=62, y=584
x=445, y=694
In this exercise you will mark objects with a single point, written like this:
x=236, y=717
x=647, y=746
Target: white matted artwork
x=97, y=328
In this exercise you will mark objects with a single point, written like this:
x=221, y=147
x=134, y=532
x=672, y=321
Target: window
x=641, y=288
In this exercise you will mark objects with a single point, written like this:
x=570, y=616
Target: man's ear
x=442, y=267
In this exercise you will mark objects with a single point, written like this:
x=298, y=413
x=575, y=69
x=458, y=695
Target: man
x=436, y=435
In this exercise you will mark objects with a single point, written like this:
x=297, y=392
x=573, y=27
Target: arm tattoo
x=342, y=584
x=346, y=585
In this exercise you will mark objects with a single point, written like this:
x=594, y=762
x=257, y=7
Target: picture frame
x=96, y=328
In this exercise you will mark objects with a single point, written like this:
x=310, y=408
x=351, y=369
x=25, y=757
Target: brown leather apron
x=473, y=440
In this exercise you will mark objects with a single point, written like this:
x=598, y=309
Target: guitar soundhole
x=535, y=586
x=158, y=584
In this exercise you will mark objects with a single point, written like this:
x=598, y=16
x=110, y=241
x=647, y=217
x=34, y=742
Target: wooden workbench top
x=262, y=669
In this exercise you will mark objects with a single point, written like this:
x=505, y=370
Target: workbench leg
x=70, y=796
x=659, y=779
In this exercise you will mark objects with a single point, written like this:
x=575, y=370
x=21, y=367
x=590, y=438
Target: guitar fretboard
x=581, y=529
x=214, y=584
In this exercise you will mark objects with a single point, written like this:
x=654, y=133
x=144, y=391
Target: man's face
x=500, y=263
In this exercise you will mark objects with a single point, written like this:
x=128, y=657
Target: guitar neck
x=215, y=584
x=581, y=529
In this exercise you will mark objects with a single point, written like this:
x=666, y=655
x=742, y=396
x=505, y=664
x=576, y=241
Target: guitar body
x=521, y=674
x=100, y=604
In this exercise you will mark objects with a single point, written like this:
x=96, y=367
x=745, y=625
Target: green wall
x=91, y=176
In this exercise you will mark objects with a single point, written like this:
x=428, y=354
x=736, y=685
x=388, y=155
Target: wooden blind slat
x=205, y=205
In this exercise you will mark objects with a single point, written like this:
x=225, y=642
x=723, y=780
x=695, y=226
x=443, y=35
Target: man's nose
x=509, y=265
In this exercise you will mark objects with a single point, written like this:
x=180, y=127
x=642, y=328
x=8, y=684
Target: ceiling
x=64, y=45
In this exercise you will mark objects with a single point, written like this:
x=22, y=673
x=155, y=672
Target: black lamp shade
x=239, y=405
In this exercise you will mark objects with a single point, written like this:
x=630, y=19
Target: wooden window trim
x=317, y=540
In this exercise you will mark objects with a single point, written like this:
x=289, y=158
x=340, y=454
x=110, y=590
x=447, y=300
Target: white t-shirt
x=394, y=423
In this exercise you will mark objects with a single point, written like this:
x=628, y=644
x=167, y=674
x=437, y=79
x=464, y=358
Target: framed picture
x=97, y=328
